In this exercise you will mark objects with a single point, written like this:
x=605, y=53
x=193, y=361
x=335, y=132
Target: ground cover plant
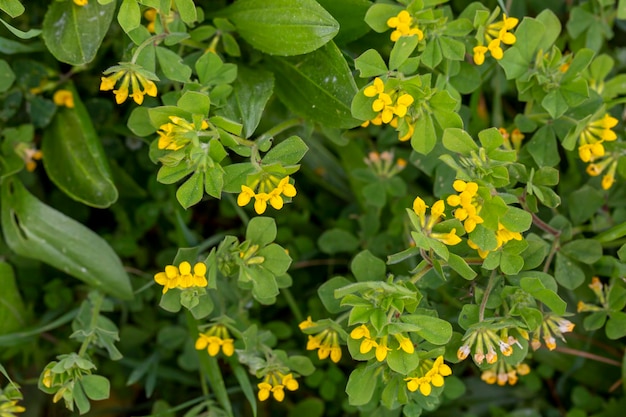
x=312, y=208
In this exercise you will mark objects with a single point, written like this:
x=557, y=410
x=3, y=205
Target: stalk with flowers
x=270, y=207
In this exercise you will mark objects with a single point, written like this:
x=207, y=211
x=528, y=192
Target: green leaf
x=96, y=387
x=516, y=219
x=283, y=27
x=378, y=14
x=451, y=48
x=244, y=382
x=367, y=267
x=361, y=384
x=7, y=77
x=75, y=160
x=402, y=362
x=337, y=240
x=34, y=230
x=129, y=16
x=318, y=86
x=12, y=7
x=555, y=104
x=370, y=64
x=172, y=65
x=510, y=263
x=288, y=152
x=170, y=301
x=72, y=33
x=79, y=398
x=261, y=231
x=432, y=56
x=424, y=137
x=616, y=325
x=12, y=310
x=567, y=273
x=586, y=251
x=191, y=191
x=350, y=14
x=214, y=181
x=251, y=92
x=530, y=33
x=301, y=364
x=310, y=407
x=460, y=266
x=326, y=292
x=401, y=51
x=195, y=103
x=433, y=329
x=552, y=28
x=535, y=287
x=459, y=141
x=584, y=203
x=542, y=147
x=187, y=10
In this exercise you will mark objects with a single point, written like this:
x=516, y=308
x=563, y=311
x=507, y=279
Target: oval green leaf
x=34, y=230
x=318, y=86
x=74, y=158
x=283, y=27
x=74, y=33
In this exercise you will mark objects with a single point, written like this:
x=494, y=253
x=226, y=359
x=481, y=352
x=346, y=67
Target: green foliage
x=440, y=183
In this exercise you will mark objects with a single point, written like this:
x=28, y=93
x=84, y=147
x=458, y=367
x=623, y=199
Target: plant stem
x=96, y=304
x=281, y=127
x=483, y=303
x=151, y=40
x=588, y=355
x=553, y=249
x=292, y=304
x=240, y=211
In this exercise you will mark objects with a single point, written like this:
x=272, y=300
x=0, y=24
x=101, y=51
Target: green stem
x=192, y=326
x=151, y=40
x=421, y=273
x=292, y=304
x=96, y=303
x=553, y=249
x=483, y=303
x=239, y=210
x=281, y=127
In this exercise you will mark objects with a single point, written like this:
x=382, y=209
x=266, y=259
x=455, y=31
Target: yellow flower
x=8, y=408
x=479, y=54
x=270, y=189
x=429, y=374
x=449, y=238
x=150, y=16
x=139, y=84
x=275, y=383
x=382, y=349
x=182, y=277
x=419, y=207
x=495, y=34
x=360, y=332
x=307, y=323
x=29, y=155
x=403, y=24
x=214, y=339
x=63, y=98
x=376, y=88
x=81, y=2
x=405, y=343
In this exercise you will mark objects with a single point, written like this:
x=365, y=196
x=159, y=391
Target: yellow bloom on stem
x=479, y=54
x=403, y=25
x=275, y=383
x=405, y=343
x=360, y=332
x=429, y=376
x=377, y=87
x=8, y=408
x=269, y=190
x=63, y=98
x=216, y=338
x=419, y=207
x=382, y=349
x=81, y=3
x=139, y=84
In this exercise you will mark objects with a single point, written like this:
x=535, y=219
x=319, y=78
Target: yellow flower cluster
x=591, y=149
x=594, y=135
x=468, y=203
x=214, y=339
x=513, y=140
x=503, y=235
x=503, y=373
x=436, y=213
x=29, y=155
x=150, y=16
x=403, y=25
x=175, y=135
x=269, y=190
x=496, y=33
x=368, y=343
x=9, y=408
x=275, y=383
x=429, y=378
x=63, y=98
x=600, y=290
x=326, y=342
x=182, y=277
x=552, y=326
x=138, y=82
x=390, y=106
x=486, y=343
